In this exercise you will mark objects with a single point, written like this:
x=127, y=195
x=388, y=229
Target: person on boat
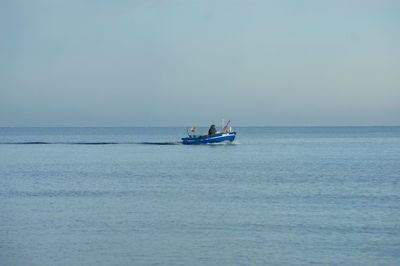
x=212, y=130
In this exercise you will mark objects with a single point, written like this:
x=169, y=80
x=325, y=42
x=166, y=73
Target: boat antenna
x=226, y=125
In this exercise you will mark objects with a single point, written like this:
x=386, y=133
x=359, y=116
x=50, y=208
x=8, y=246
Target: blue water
x=277, y=196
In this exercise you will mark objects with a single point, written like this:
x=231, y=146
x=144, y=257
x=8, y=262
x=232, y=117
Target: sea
x=137, y=196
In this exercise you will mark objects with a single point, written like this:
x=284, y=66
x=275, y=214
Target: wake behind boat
x=214, y=136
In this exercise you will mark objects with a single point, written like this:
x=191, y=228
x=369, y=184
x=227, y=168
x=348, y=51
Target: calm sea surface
x=278, y=196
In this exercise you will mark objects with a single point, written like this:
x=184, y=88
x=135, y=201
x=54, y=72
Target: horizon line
x=159, y=126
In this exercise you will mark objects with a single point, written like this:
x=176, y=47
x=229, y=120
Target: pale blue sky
x=184, y=63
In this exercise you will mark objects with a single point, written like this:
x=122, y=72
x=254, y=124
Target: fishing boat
x=214, y=136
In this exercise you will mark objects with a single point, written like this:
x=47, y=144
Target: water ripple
x=66, y=193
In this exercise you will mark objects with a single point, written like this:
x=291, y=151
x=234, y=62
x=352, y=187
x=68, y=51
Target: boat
x=225, y=135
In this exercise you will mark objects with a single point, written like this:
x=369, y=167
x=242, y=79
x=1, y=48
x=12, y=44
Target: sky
x=195, y=62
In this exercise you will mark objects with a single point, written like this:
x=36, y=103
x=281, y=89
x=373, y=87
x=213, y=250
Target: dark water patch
x=161, y=143
x=63, y=143
x=27, y=143
x=93, y=143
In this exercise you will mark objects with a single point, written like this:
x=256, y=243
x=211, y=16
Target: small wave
x=87, y=143
x=66, y=193
x=224, y=143
x=93, y=143
x=27, y=143
x=65, y=143
x=161, y=143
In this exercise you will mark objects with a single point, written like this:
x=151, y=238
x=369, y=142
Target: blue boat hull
x=219, y=137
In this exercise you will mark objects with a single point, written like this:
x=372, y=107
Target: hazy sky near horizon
x=187, y=62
